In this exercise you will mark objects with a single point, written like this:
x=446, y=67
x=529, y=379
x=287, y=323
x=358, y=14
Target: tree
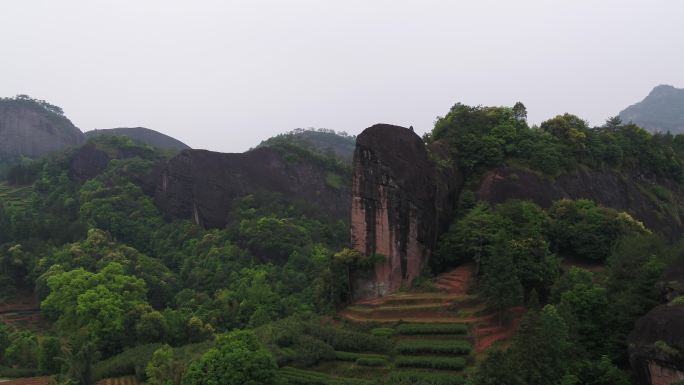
x=49, y=349
x=23, y=349
x=96, y=302
x=237, y=359
x=520, y=111
x=164, y=368
x=497, y=369
x=500, y=284
x=541, y=348
x=470, y=238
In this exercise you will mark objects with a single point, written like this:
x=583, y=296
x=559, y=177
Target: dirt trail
x=451, y=303
x=27, y=381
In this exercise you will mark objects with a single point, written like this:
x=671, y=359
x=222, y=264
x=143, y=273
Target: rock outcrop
x=27, y=129
x=201, y=185
x=142, y=135
x=656, y=345
x=398, y=195
x=608, y=188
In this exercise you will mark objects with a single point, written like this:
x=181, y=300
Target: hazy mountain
x=143, y=135
x=662, y=110
x=328, y=142
x=33, y=128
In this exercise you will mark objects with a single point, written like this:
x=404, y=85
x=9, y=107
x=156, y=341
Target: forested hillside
x=122, y=262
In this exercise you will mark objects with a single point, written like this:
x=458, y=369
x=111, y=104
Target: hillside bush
x=430, y=362
x=370, y=361
x=351, y=356
x=432, y=329
x=434, y=346
x=383, y=332
x=423, y=378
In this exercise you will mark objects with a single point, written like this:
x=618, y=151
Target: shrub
x=124, y=364
x=432, y=329
x=292, y=376
x=350, y=341
x=430, y=362
x=383, y=332
x=310, y=351
x=351, y=357
x=370, y=361
x=434, y=346
x=424, y=378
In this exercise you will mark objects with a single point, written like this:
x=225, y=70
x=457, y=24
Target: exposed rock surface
x=656, y=345
x=662, y=110
x=143, y=135
x=608, y=188
x=27, y=129
x=397, y=197
x=201, y=185
x=88, y=162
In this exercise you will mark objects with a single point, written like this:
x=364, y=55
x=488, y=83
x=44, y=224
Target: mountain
x=662, y=110
x=33, y=128
x=323, y=141
x=142, y=135
x=202, y=185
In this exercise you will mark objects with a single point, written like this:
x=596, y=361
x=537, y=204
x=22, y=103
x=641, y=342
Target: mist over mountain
x=661, y=111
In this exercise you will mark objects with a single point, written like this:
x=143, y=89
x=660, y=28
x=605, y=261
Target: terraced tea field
x=436, y=335
x=16, y=196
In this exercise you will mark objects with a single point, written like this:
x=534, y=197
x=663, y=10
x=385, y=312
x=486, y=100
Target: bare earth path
x=451, y=302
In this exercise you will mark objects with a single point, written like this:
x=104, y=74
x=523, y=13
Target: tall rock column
x=394, y=207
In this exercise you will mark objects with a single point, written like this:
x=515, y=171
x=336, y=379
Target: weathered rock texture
x=397, y=197
x=656, y=345
x=201, y=185
x=27, y=129
x=630, y=193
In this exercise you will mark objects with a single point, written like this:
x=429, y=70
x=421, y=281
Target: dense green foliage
x=237, y=359
x=482, y=137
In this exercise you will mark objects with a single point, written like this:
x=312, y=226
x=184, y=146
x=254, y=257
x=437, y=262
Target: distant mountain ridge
x=33, y=128
x=142, y=135
x=661, y=111
x=324, y=141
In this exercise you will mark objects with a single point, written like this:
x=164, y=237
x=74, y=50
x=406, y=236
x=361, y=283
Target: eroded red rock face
x=395, y=201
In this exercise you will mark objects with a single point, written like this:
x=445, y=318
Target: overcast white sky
x=223, y=75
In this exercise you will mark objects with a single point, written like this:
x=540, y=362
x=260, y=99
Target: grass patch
x=434, y=346
x=334, y=180
x=432, y=328
x=430, y=362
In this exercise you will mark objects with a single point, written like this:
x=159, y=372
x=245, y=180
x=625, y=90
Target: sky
x=224, y=75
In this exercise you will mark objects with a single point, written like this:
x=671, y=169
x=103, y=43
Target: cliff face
x=397, y=197
x=26, y=129
x=622, y=192
x=656, y=345
x=201, y=185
